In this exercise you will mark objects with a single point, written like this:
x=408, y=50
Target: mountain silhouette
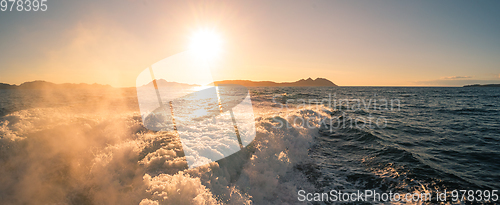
x=487, y=85
x=164, y=83
x=318, y=82
x=39, y=84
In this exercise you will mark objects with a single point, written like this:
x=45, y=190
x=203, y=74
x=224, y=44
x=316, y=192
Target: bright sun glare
x=206, y=43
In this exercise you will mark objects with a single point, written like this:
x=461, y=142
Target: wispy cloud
x=456, y=77
x=456, y=82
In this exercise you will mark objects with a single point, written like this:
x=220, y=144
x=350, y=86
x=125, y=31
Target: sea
x=313, y=145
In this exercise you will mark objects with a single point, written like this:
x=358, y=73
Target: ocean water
x=90, y=147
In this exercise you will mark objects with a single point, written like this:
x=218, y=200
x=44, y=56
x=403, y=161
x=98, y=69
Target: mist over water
x=90, y=147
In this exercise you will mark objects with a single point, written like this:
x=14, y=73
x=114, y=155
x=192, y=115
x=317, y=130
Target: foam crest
x=177, y=189
x=72, y=155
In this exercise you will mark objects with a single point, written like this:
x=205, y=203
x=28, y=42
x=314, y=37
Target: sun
x=206, y=44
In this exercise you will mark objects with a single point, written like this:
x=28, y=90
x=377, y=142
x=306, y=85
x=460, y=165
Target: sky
x=351, y=43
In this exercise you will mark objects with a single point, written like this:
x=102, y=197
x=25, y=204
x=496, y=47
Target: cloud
x=455, y=77
x=455, y=82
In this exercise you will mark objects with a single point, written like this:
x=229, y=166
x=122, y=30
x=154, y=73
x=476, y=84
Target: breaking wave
x=80, y=155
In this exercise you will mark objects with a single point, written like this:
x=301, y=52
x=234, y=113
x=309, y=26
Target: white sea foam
x=68, y=155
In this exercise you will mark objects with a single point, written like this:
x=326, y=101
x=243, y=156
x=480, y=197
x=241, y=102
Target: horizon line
x=94, y=83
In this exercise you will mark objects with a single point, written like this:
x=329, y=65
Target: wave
x=79, y=156
x=362, y=159
x=469, y=111
x=97, y=151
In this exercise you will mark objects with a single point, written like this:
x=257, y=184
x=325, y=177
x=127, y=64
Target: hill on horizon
x=485, y=85
x=318, y=82
x=164, y=83
x=40, y=84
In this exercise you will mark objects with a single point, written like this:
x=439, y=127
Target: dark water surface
x=433, y=139
x=90, y=147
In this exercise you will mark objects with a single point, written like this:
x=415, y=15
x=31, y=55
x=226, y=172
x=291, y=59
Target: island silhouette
x=39, y=84
x=318, y=82
x=486, y=85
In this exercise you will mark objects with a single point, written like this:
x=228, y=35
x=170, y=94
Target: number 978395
x=23, y=5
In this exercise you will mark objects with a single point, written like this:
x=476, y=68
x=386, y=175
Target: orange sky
x=369, y=43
